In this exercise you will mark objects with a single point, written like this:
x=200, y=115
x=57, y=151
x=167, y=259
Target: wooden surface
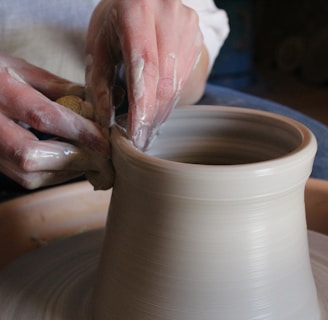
x=316, y=203
x=32, y=221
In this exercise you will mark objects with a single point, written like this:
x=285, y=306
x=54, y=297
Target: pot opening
x=225, y=138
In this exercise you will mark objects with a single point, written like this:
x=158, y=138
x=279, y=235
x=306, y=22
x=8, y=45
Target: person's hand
x=26, y=99
x=159, y=42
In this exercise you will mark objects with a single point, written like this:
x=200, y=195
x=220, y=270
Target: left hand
x=159, y=42
x=27, y=94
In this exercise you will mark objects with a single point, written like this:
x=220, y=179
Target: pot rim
x=306, y=149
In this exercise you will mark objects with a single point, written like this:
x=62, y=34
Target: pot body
x=210, y=222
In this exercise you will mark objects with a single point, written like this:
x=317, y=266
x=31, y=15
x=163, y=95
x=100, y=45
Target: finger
x=102, y=61
x=140, y=55
x=102, y=180
x=177, y=57
x=34, y=180
x=49, y=84
x=33, y=163
x=25, y=151
x=21, y=102
x=42, y=166
x=157, y=63
x=53, y=155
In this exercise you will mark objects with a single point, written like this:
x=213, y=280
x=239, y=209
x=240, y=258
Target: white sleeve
x=213, y=23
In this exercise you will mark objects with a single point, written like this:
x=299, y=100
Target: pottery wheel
x=56, y=281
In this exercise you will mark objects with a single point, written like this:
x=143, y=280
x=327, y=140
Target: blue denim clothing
x=217, y=95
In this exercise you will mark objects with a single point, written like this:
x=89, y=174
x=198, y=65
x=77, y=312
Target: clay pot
x=210, y=222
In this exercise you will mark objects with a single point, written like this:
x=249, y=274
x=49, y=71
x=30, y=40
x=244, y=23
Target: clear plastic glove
x=159, y=43
x=26, y=99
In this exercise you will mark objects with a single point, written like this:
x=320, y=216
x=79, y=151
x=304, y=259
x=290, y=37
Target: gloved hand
x=26, y=99
x=159, y=43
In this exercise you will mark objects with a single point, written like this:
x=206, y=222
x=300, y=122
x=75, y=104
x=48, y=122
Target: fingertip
x=143, y=137
x=140, y=138
x=101, y=180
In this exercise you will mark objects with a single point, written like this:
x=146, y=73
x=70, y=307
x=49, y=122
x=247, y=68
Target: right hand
x=27, y=95
x=160, y=44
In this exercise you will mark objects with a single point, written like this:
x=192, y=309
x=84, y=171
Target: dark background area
x=277, y=50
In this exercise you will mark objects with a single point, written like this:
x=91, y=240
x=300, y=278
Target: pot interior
x=225, y=136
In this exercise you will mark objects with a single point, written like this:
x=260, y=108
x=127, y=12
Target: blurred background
x=277, y=50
